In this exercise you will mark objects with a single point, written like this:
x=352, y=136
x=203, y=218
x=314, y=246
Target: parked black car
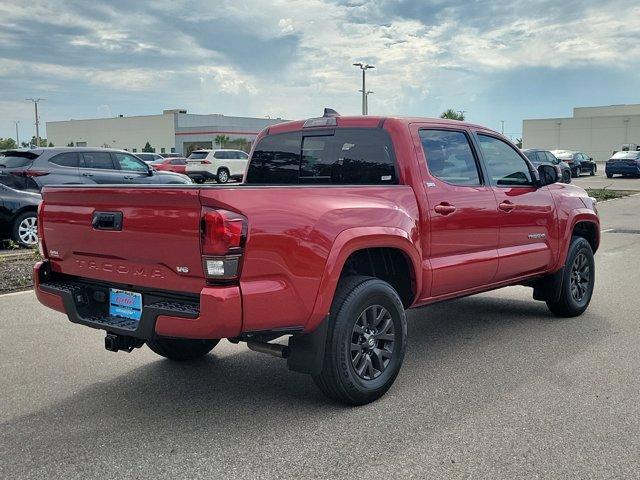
x=19, y=215
x=623, y=163
x=578, y=161
x=545, y=157
x=33, y=169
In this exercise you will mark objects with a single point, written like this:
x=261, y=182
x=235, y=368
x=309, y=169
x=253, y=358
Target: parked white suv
x=220, y=165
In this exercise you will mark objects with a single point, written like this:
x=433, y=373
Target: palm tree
x=221, y=140
x=451, y=114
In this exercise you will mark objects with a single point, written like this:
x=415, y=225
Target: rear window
x=616, y=156
x=198, y=155
x=340, y=157
x=17, y=159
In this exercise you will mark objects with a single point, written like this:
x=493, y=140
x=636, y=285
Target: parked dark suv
x=545, y=157
x=33, y=169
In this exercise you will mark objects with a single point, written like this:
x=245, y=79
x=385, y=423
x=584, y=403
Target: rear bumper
x=622, y=169
x=215, y=313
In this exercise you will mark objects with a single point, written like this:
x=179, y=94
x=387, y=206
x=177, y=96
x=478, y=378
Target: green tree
x=70, y=144
x=43, y=142
x=148, y=148
x=7, y=143
x=451, y=114
x=51, y=144
x=221, y=140
x=519, y=142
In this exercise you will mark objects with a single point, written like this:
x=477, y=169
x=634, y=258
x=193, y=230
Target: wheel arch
x=356, y=246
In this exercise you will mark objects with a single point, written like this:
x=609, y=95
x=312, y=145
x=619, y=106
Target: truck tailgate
x=158, y=245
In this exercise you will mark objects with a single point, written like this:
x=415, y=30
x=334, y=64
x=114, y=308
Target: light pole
x=364, y=67
x=366, y=101
x=35, y=103
x=502, y=127
x=17, y=134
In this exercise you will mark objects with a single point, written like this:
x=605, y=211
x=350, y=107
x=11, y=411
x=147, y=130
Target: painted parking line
x=13, y=294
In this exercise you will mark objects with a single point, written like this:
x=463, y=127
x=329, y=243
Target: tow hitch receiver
x=113, y=343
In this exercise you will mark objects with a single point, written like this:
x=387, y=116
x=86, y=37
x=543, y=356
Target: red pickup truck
x=342, y=224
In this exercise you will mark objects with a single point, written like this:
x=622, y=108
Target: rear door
x=99, y=167
x=527, y=214
x=462, y=215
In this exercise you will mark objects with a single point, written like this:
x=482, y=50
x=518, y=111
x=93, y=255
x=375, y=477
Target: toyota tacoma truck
x=341, y=225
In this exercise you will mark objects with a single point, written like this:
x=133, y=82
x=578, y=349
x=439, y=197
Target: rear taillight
x=41, y=246
x=205, y=162
x=224, y=234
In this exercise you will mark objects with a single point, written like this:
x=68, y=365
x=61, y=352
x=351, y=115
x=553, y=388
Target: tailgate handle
x=107, y=220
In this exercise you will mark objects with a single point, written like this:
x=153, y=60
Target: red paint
x=166, y=166
x=457, y=240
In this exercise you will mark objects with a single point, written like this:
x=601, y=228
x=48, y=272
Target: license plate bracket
x=125, y=304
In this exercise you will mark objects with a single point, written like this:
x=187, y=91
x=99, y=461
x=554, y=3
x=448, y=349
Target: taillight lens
x=223, y=237
x=41, y=247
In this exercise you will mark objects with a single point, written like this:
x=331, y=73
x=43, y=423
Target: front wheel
x=609, y=175
x=593, y=171
x=366, y=341
x=577, y=282
x=180, y=349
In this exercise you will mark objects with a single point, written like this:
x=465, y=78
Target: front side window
x=449, y=157
x=506, y=167
x=129, y=162
x=100, y=160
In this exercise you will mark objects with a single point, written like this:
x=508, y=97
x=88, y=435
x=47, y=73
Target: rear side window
x=506, y=167
x=449, y=157
x=69, y=159
x=101, y=160
x=17, y=159
x=343, y=157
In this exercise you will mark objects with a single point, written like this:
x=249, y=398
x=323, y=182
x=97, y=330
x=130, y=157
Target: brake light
x=205, y=162
x=223, y=237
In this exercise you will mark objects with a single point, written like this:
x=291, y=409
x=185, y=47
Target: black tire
x=181, y=349
x=566, y=176
x=222, y=176
x=25, y=229
x=199, y=180
x=576, y=291
x=609, y=175
x=575, y=173
x=357, y=301
x=593, y=171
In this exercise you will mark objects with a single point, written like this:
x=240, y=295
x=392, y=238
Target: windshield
x=16, y=159
x=198, y=155
x=616, y=156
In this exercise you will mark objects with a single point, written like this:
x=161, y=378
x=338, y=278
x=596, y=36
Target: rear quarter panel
x=292, y=231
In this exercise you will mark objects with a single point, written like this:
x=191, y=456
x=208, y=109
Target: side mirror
x=591, y=158
x=549, y=174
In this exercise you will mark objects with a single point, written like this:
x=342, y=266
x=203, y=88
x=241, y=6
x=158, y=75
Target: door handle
x=444, y=208
x=506, y=206
x=87, y=174
x=128, y=177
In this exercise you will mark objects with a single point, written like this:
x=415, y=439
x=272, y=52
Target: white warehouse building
x=175, y=131
x=596, y=131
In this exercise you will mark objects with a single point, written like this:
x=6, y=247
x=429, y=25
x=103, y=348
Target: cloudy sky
x=497, y=60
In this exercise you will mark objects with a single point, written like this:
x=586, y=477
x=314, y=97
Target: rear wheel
x=577, y=282
x=25, y=229
x=609, y=175
x=593, y=171
x=366, y=341
x=181, y=349
x=223, y=175
x=566, y=176
x=575, y=173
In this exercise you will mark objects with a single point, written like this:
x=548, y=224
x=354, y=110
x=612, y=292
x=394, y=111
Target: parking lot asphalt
x=493, y=386
x=600, y=180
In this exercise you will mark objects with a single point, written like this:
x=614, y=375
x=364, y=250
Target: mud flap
x=307, y=350
x=549, y=288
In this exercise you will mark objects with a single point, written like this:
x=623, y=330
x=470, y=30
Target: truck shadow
x=474, y=350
